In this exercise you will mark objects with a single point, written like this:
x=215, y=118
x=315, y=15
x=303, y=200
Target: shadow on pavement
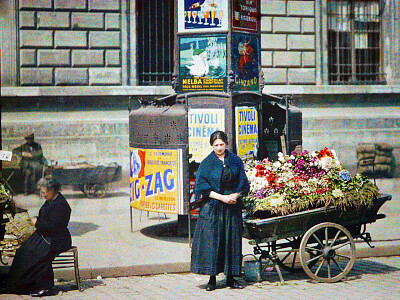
x=78, y=195
x=366, y=266
x=68, y=286
x=167, y=231
x=360, y=268
x=80, y=228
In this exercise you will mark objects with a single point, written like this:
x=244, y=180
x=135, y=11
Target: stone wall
x=70, y=42
x=391, y=41
x=102, y=137
x=342, y=129
x=288, y=42
x=67, y=138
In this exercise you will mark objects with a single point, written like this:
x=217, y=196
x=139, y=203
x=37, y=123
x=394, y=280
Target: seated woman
x=31, y=271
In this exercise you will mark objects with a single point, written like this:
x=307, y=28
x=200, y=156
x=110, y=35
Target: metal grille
x=354, y=42
x=155, y=41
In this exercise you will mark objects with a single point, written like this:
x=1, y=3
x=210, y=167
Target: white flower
x=281, y=157
x=327, y=163
x=313, y=180
x=337, y=193
x=276, y=200
x=276, y=164
x=292, y=156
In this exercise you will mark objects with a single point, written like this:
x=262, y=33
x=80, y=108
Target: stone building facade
x=288, y=42
x=69, y=70
x=64, y=43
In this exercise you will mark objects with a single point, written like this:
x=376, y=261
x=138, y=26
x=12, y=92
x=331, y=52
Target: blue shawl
x=208, y=177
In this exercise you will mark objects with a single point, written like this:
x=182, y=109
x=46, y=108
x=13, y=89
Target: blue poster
x=245, y=61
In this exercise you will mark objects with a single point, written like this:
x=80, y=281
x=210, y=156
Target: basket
x=20, y=225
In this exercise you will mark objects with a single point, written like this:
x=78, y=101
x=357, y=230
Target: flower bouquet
x=303, y=181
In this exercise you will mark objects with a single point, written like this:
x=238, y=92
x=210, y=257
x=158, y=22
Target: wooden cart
x=91, y=180
x=319, y=241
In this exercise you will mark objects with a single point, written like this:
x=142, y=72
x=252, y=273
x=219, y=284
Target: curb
x=381, y=249
x=118, y=271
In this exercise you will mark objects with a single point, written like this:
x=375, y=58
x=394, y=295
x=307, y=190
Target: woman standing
x=31, y=271
x=217, y=240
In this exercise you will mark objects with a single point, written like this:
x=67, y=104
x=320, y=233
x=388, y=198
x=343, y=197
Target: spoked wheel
x=287, y=254
x=333, y=252
x=288, y=257
x=94, y=190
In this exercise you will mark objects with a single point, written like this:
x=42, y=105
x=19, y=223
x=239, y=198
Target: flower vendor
x=217, y=240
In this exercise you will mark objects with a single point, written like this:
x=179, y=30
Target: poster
x=202, y=123
x=203, y=64
x=202, y=15
x=245, y=15
x=246, y=131
x=194, y=205
x=245, y=62
x=156, y=182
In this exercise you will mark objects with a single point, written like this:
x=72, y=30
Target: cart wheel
x=100, y=190
x=287, y=254
x=333, y=252
x=94, y=190
x=288, y=257
x=88, y=190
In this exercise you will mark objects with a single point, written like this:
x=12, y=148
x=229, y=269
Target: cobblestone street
x=372, y=278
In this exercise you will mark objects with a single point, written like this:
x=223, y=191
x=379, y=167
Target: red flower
x=322, y=190
x=271, y=177
x=260, y=171
x=325, y=152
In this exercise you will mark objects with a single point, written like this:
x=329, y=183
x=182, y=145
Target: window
x=354, y=39
x=155, y=41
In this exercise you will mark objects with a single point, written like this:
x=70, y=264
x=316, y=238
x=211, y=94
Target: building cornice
x=166, y=90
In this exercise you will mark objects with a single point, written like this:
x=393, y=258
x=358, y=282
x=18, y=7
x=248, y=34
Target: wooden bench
x=69, y=259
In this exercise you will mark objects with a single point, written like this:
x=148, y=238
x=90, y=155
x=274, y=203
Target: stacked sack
x=375, y=159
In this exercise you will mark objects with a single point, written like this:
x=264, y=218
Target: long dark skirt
x=31, y=269
x=217, y=240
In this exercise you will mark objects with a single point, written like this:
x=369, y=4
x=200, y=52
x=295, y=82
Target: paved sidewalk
x=101, y=230
x=372, y=278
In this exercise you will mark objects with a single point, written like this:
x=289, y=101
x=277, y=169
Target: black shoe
x=41, y=293
x=233, y=284
x=210, y=287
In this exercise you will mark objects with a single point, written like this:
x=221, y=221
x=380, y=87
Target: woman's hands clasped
x=231, y=198
x=227, y=199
